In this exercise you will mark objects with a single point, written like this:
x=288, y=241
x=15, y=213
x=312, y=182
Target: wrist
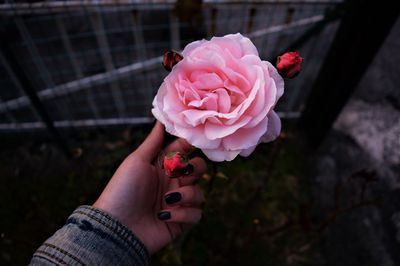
x=139, y=230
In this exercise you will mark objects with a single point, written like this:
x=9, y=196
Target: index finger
x=152, y=144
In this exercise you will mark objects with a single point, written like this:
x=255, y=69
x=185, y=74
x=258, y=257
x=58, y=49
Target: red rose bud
x=171, y=58
x=289, y=64
x=175, y=164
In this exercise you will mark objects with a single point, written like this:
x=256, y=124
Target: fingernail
x=164, y=215
x=173, y=197
x=189, y=169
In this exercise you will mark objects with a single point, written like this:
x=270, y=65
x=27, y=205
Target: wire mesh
x=96, y=63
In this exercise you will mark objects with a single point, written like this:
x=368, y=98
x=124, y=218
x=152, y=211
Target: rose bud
x=176, y=164
x=289, y=64
x=171, y=58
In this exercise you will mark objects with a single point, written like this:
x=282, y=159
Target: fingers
x=199, y=168
x=178, y=200
x=150, y=147
x=187, y=195
x=180, y=215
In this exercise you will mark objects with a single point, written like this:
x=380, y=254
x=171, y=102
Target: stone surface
x=365, y=143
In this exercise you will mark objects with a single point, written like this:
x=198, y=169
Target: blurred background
x=77, y=79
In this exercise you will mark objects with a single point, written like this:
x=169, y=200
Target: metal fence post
x=363, y=29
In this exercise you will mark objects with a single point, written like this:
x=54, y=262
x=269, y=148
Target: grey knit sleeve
x=92, y=237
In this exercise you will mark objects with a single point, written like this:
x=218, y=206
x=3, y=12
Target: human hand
x=136, y=194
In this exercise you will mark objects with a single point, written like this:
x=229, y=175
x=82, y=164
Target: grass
x=257, y=210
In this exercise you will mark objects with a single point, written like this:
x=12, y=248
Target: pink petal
x=224, y=101
x=213, y=131
x=274, y=127
x=191, y=47
x=172, y=102
x=196, y=117
x=196, y=137
x=219, y=155
x=242, y=108
x=158, y=114
x=228, y=44
x=247, y=46
x=250, y=61
x=158, y=105
x=194, y=75
x=232, y=87
x=246, y=137
x=209, y=61
x=279, y=82
x=214, y=120
x=190, y=95
x=208, y=103
x=209, y=81
x=238, y=79
x=264, y=102
x=248, y=151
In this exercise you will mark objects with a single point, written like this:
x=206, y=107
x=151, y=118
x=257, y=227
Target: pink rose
x=220, y=98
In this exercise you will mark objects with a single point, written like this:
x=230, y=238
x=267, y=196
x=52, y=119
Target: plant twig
x=250, y=204
x=213, y=177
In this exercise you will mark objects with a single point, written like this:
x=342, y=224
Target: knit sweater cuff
x=92, y=237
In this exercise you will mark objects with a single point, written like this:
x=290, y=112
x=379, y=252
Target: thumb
x=150, y=147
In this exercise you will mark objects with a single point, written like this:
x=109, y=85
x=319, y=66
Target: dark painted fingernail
x=189, y=169
x=173, y=197
x=164, y=215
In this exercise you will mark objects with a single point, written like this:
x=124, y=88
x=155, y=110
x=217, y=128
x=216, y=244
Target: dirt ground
x=257, y=211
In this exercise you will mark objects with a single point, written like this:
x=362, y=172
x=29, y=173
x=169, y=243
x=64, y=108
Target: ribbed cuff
x=112, y=226
x=92, y=237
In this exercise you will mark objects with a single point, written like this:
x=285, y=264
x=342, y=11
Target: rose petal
x=274, y=128
x=196, y=117
x=196, y=137
x=211, y=54
x=191, y=47
x=208, y=81
x=158, y=115
x=242, y=108
x=190, y=95
x=247, y=46
x=248, y=151
x=210, y=62
x=246, y=137
x=207, y=103
x=279, y=82
x=264, y=102
x=170, y=103
x=228, y=44
x=248, y=72
x=224, y=100
x=229, y=85
x=220, y=155
x=239, y=80
x=213, y=131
